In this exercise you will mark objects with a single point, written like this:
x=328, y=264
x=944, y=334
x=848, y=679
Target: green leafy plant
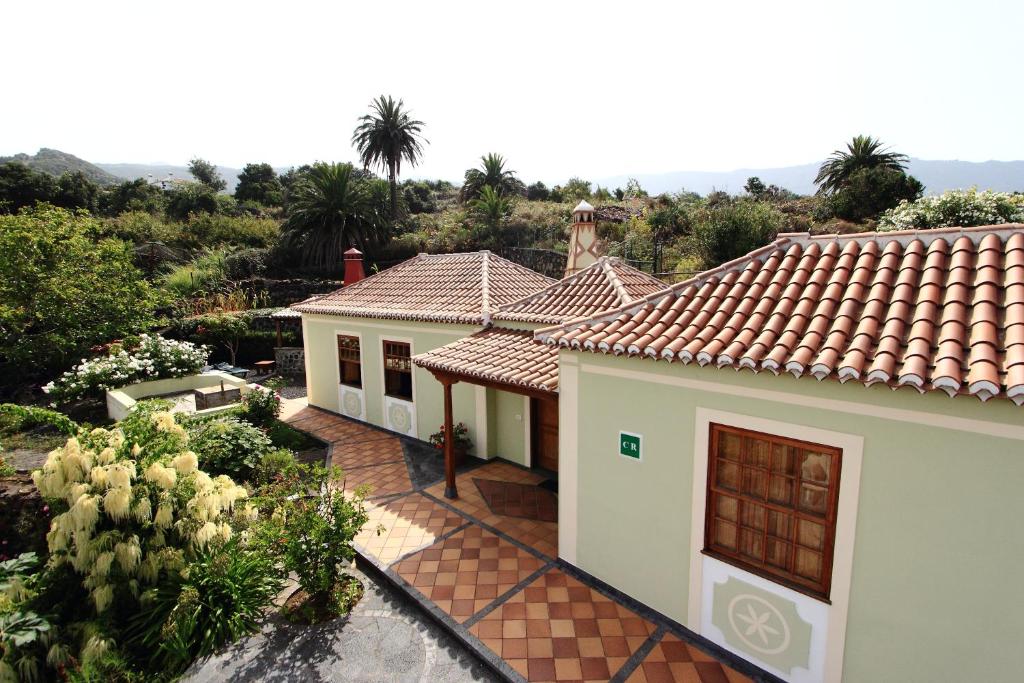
x=460, y=433
x=20, y=418
x=312, y=530
x=261, y=406
x=276, y=463
x=220, y=598
x=227, y=445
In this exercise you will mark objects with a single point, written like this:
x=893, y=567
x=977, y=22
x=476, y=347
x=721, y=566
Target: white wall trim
x=846, y=518
x=381, y=340
x=568, y=463
x=337, y=370
x=528, y=441
x=402, y=325
x=1006, y=431
x=305, y=359
x=482, y=447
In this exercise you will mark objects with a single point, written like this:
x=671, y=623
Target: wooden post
x=450, y=491
x=280, y=339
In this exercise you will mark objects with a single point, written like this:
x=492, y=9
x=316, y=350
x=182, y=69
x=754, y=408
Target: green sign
x=629, y=445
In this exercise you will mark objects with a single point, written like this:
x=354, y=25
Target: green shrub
x=870, y=191
x=204, y=274
x=313, y=532
x=206, y=230
x=227, y=445
x=222, y=598
x=140, y=226
x=21, y=418
x=261, y=406
x=955, y=208
x=280, y=462
x=730, y=230
x=246, y=263
x=285, y=436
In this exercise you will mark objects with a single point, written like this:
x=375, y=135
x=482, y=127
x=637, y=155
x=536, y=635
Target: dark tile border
x=635, y=659
x=507, y=595
x=670, y=625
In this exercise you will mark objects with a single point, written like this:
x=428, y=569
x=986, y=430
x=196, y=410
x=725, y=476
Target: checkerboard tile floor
x=408, y=523
x=542, y=536
x=674, y=661
x=558, y=629
x=467, y=571
x=383, y=480
x=348, y=455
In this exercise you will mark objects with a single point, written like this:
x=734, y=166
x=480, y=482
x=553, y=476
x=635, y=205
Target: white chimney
x=583, y=247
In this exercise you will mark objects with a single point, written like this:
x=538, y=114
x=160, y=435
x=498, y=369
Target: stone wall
x=285, y=292
x=290, y=360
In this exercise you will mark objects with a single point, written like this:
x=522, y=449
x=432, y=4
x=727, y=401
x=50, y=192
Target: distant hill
x=161, y=171
x=937, y=176
x=55, y=162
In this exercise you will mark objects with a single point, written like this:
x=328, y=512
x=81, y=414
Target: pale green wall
x=510, y=432
x=322, y=361
x=936, y=592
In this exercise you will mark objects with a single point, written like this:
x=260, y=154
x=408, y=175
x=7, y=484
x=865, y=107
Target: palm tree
x=385, y=137
x=490, y=210
x=329, y=211
x=863, y=151
x=491, y=172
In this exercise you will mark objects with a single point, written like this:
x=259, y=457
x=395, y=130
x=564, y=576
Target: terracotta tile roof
x=604, y=285
x=498, y=355
x=290, y=311
x=937, y=309
x=451, y=288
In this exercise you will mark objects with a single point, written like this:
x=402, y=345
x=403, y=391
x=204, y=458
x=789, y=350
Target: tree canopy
x=492, y=173
x=259, y=183
x=387, y=136
x=862, y=152
x=63, y=291
x=206, y=173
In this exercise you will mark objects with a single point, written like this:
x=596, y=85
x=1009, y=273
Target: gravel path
x=386, y=638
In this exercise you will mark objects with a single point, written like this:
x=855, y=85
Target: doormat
x=527, y=501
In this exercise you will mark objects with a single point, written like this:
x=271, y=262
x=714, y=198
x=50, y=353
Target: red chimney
x=353, y=266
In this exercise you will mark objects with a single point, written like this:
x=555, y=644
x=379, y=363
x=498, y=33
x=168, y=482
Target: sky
x=590, y=89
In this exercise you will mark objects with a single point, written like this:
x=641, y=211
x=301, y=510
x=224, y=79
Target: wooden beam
x=443, y=376
x=450, y=490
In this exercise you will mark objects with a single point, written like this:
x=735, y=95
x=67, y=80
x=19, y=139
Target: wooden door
x=544, y=428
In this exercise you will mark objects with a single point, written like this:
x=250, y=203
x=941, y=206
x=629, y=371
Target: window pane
x=752, y=515
x=780, y=524
x=729, y=445
x=398, y=384
x=783, y=459
x=759, y=453
x=808, y=564
x=780, y=490
x=778, y=553
x=813, y=498
x=728, y=475
x=811, y=535
x=815, y=467
x=725, y=534
x=750, y=544
x=755, y=483
x=351, y=374
x=727, y=507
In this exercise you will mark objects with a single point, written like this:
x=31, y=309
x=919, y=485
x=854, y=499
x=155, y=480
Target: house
x=812, y=456
x=809, y=456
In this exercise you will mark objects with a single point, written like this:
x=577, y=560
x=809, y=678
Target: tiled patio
x=489, y=571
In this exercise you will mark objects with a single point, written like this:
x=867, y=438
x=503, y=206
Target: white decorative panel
x=352, y=402
x=400, y=416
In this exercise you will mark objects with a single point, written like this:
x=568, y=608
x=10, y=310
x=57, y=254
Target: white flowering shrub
x=154, y=358
x=133, y=506
x=955, y=208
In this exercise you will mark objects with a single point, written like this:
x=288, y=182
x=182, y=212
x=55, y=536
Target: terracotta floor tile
x=382, y=480
x=466, y=557
x=406, y=524
x=348, y=455
x=675, y=661
x=566, y=648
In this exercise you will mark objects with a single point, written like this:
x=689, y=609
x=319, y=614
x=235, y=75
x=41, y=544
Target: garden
x=161, y=538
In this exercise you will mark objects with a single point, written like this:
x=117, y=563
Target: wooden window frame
x=402, y=359
x=355, y=358
x=819, y=590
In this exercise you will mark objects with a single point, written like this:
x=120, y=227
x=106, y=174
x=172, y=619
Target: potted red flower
x=460, y=448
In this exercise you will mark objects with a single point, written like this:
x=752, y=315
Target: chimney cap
x=353, y=252
x=584, y=205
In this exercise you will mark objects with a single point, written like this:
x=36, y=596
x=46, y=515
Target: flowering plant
x=955, y=208
x=460, y=433
x=129, y=514
x=261, y=406
x=154, y=358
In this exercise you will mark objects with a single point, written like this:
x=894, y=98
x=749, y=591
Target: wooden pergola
x=447, y=379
